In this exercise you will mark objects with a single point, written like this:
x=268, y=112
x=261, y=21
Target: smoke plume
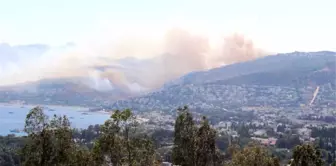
x=237, y=48
x=176, y=53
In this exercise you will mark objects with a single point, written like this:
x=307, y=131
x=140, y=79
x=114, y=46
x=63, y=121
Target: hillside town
x=278, y=116
x=219, y=96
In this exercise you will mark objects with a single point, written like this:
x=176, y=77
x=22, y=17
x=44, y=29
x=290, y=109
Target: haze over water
x=16, y=119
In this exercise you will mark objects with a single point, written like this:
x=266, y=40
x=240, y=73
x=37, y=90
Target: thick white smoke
x=168, y=57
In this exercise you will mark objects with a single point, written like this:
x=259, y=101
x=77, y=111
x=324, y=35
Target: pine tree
x=48, y=142
x=253, y=155
x=205, y=144
x=38, y=149
x=118, y=144
x=109, y=144
x=184, y=150
x=306, y=155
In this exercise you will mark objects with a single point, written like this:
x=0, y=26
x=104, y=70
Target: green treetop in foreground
x=52, y=142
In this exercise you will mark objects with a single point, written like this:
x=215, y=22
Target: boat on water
x=11, y=112
x=51, y=110
x=72, y=117
x=94, y=109
x=15, y=131
x=85, y=113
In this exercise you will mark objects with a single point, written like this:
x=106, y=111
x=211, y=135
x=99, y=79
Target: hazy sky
x=275, y=25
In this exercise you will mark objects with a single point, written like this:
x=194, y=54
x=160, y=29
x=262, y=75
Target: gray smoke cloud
x=183, y=52
x=177, y=53
x=237, y=48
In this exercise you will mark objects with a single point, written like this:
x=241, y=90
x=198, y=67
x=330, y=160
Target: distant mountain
x=282, y=80
x=90, y=90
x=278, y=80
x=278, y=69
x=17, y=53
x=66, y=91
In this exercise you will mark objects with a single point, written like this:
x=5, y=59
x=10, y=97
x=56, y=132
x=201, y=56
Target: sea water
x=13, y=117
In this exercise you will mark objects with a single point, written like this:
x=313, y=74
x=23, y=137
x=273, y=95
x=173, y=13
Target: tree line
x=119, y=142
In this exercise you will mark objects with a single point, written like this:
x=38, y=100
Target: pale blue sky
x=277, y=25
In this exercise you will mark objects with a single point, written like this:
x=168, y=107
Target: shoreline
x=71, y=108
x=80, y=108
x=103, y=112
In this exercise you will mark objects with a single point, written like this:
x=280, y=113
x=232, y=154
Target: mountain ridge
x=254, y=66
x=295, y=71
x=262, y=82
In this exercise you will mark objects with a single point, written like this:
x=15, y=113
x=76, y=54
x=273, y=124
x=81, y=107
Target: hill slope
x=295, y=65
x=70, y=91
x=283, y=80
x=279, y=80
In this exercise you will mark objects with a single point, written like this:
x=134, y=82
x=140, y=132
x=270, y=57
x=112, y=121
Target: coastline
x=71, y=108
x=103, y=112
x=16, y=111
x=79, y=108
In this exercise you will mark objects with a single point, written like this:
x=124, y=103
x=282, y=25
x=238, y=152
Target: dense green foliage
x=253, y=155
x=51, y=141
x=306, y=155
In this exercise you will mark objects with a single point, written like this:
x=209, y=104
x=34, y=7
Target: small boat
x=71, y=117
x=51, y=110
x=15, y=131
x=85, y=113
x=94, y=109
x=11, y=112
